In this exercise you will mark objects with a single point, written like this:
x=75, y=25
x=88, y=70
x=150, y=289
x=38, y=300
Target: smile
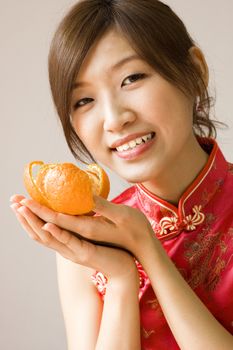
x=134, y=143
x=135, y=148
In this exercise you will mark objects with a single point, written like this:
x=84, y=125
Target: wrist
x=152, y=252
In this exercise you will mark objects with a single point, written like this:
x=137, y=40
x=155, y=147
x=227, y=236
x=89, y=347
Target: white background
x=30, y=316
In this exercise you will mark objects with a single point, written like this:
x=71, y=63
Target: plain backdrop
x=30, y=316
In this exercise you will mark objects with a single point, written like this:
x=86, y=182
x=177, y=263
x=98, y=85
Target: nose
x=116, y=116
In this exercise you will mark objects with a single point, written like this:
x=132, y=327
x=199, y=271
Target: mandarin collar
x=166, y=219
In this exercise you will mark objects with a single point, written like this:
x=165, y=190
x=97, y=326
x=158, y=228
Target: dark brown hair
x=156, y=34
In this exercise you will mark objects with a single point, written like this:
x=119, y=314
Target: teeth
x=132, y=144
x=125, y=147
x=139, y=140
x=145, y=138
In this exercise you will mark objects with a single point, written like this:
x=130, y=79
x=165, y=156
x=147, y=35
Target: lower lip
x=137, y=151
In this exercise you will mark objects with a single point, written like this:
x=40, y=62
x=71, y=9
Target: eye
x=133, y=78
x=82, y=102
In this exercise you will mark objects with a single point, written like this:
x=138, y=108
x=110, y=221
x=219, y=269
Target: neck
x=173, y=183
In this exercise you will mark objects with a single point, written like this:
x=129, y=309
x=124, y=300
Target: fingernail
x=20, y=210
x=23, y=202
x=14, y=207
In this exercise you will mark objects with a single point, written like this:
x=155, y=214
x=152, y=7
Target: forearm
x=191, y=323
x=120, y=325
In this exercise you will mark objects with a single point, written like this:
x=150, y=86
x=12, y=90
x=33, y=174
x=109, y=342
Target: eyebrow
x=112, y=68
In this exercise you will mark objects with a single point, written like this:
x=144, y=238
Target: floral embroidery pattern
x=100, y=282
x=169, y=224
x=205, y=263
x=207, y=195
x=146, y=333
x=141, y=274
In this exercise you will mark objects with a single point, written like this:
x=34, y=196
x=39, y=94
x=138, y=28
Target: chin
x=135, y=178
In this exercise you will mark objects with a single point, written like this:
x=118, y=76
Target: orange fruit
x=66, y=188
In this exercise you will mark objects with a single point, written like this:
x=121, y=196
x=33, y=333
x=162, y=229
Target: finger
x=63, y=236
x=82, y=251
x=43, y=237
x=35, y=222
x=96, y=229
x=36, y=225
x=32, y=234
x=33, y=225
x=46, y=214
x=114, y=212
x=81, y=224
x=15, y=206
x=16, y=198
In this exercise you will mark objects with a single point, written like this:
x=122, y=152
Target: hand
x=114, y=263
x=115, y=224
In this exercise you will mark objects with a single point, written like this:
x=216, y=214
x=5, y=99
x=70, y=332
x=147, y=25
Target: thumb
x=106, y=208
x=100, y=204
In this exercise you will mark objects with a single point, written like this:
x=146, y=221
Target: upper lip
x=128, y=138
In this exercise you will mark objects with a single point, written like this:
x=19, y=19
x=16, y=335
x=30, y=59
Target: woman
x=130, y=88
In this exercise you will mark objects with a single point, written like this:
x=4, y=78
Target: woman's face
x=119, y=95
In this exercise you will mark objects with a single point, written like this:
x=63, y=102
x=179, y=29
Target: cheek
x=157, y=102
x=171, y=107
x=85, y=130
x=90, y=134
x=78, y=129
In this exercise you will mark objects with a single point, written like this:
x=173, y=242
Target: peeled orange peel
x=64, y=187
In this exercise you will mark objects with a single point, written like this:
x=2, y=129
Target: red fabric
x=198, y=237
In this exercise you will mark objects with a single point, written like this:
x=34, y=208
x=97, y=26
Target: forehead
x=106, y=53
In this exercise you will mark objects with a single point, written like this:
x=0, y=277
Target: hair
x=156, y=34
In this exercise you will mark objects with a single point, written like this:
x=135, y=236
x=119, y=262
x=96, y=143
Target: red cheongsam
x=198, y=237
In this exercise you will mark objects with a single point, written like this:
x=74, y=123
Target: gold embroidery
x=206, y=266
x=207, y=194
x=153, y=303
x=192, y=221
x=155, y=306
x=146, y=334
x=169, y=224
x=214, y=275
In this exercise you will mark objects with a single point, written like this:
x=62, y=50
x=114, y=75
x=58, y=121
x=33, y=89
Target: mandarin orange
x=66, y=188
